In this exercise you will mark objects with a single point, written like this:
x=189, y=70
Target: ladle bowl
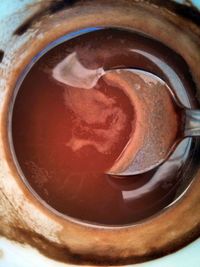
x=161, y=121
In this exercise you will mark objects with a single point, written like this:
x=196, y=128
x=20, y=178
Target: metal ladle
x=161, y=121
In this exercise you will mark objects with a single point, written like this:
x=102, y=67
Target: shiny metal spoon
x=161, y=121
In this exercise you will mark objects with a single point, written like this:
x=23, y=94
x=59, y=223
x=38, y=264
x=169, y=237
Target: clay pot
x=26, y=219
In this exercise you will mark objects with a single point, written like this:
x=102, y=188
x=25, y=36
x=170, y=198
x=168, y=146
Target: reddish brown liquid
x=65, y=138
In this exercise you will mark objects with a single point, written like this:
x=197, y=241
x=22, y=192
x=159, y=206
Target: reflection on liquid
x=163, y=176
x=71, y=72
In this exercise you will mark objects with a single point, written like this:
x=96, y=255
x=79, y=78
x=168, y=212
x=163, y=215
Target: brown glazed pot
x=26, y=219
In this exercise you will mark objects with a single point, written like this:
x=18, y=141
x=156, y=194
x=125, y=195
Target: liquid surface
x=65, y=137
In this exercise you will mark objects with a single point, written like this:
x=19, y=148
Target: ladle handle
x=192, y=122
